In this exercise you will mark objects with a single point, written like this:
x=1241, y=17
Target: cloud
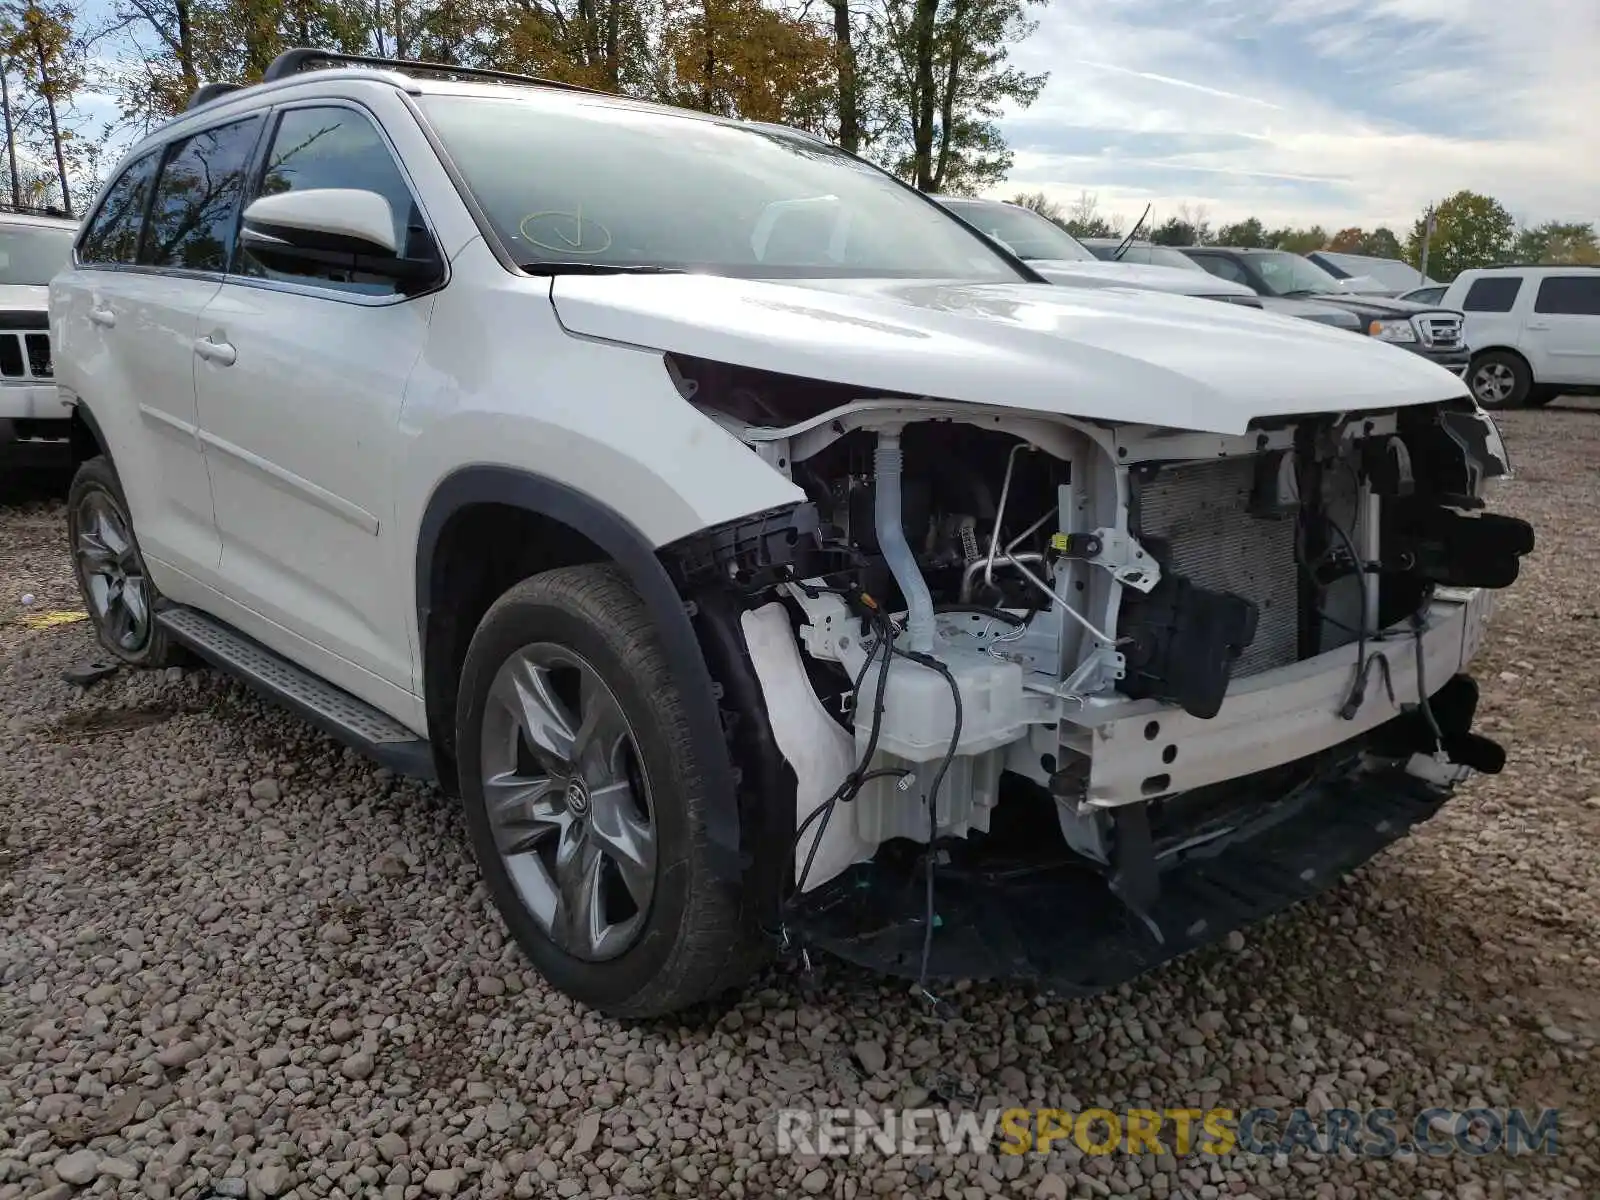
x=1336, y=111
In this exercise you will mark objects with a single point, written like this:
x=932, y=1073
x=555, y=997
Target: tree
x=1379, y=243
x=741, y=58
x=1473, y=230
x=1556, y=242
x=1083, y=219
x=1040, y=203
x=946, y=82
x=1246, y=233
x=1173, y=232
x=42, y=40
x=1297, y=241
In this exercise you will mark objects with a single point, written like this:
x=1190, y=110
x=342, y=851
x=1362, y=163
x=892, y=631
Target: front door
x=300, y=394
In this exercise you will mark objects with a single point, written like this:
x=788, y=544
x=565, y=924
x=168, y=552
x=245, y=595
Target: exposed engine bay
x=979, y=610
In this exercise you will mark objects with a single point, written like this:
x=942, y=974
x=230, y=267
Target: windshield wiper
x=595, y=268
x=1302, y=293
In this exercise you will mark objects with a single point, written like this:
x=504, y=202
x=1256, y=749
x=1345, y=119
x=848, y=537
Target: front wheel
x=584, y=803
x=1500, y=380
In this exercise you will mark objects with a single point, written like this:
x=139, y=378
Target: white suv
x=726, y=523
x=34, y=244
x=1534, y=331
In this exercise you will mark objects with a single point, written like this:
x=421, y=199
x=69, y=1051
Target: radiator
x=1201, y=512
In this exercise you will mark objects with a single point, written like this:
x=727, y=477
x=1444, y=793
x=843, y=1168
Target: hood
x=1072, y=273
x=24, y=297
x=1109, y=354
x=1367, y=306
x=1312, y=310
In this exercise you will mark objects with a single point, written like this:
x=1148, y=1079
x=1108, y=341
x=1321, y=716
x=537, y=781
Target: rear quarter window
x=1493, y=294
x=1577, y=295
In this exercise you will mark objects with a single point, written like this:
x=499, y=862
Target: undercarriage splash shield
x=1056, y=923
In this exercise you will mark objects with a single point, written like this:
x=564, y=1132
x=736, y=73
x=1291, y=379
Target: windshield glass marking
x=567, y=179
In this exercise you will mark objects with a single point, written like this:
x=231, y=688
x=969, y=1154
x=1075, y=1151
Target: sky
x=1337, y=112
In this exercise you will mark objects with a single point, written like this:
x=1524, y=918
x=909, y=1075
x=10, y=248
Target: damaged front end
x=1029, y=696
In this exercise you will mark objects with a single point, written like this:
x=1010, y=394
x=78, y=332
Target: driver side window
x=335, y=147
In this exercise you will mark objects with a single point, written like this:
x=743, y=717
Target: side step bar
x=332, y=709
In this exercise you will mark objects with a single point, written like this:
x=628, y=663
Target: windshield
x=1288, y=274
x=571, y=182
x=33, y=254
x=1025, y=232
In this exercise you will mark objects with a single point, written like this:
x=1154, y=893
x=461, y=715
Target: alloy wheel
x=113, y=576
x=1493, y=383
x=568, y=801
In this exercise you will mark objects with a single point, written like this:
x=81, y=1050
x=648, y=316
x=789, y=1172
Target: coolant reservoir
x=919, y=712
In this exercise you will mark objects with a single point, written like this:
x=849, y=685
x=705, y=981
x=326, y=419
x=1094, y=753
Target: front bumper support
x=1142, y=749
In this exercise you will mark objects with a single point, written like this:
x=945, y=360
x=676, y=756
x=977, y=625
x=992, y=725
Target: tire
x=110, y=570
x=1500, y=379
x=661, y=934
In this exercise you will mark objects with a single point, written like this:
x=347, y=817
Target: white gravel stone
x=78, y=1167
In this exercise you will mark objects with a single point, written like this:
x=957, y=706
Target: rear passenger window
x=1576, y=294
x=1493, y=294
x=197, y=199
x=112, y=234
x=336, y=148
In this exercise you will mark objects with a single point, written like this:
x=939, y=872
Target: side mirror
x=323, y=229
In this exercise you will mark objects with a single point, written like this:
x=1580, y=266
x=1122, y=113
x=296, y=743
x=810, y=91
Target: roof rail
x=301, y=58
x=1525, y=266
x=207, y=92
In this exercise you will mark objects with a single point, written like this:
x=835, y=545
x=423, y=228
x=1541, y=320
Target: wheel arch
x=1480, y=351
x=86, y=438
x=550, y=525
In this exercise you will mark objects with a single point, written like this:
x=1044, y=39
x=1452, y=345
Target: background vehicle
x=34, y=244
x=1061, y=258
x=1431, y=295
x=1534, y=332
x=1431, y=332
x=1365, y=273
x=751, y=545
x=1147, y=253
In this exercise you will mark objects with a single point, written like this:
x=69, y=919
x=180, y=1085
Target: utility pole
x=1430, y=222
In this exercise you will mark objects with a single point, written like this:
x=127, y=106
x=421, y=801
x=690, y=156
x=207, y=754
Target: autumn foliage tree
x=743, y=58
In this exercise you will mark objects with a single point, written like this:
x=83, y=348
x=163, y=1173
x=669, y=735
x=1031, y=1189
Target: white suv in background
x=1534, y=332
x=35, y=243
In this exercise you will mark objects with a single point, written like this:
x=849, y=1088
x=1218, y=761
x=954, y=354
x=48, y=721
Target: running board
x=332, y=709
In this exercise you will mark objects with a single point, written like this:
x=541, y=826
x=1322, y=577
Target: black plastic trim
x=634, y=553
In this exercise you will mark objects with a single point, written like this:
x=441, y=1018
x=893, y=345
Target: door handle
x=1538, y=326
x=103, y=317
x=221, y=353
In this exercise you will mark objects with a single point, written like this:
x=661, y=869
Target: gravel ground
x=237, y=960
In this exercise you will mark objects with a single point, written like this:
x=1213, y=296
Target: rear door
x=123, y=335
x=1565, y=323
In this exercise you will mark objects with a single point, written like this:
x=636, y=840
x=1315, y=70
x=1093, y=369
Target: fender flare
x=622, y=542
x=81, y=410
